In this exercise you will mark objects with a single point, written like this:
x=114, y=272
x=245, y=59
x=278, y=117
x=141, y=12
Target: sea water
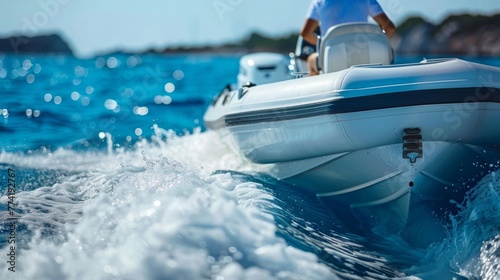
x=107, y=172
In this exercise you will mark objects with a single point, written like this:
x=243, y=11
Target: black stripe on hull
x=363, y=103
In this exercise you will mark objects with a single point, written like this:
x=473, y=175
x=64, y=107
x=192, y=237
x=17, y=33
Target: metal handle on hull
x=412, y=144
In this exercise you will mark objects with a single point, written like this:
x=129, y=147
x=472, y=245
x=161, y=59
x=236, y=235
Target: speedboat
x=381, y=140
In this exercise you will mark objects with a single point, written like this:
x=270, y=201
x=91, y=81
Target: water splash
x=471, y=248
x=151, y=212
x=158, y=210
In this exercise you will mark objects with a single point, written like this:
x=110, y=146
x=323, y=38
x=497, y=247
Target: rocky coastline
x=474, y=35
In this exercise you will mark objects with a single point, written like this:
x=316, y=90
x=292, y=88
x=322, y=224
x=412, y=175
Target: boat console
x=346, y=45
x=343, y=46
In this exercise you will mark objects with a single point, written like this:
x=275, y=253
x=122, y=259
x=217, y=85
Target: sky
x=99, y=26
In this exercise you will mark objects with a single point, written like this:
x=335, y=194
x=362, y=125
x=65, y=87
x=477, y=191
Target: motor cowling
x=263, y=68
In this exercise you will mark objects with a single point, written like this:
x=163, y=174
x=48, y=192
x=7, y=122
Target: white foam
x=152, y=212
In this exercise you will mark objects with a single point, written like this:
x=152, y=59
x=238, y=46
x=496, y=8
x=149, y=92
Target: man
x=327, y=13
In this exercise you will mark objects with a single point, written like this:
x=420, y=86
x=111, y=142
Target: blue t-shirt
x=332, y=12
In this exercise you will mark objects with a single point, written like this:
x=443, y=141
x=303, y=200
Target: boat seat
x=349, y=44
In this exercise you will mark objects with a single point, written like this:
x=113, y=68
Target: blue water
x=117, y=178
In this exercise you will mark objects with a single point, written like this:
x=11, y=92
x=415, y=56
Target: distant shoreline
x=456, y=35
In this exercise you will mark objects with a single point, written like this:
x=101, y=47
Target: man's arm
x=307, y=31
x=385, y=23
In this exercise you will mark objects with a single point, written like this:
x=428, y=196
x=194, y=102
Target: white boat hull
x=356, y=159
x=342, y=136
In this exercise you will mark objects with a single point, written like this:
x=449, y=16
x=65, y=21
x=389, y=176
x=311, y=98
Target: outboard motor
x=263, y=68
